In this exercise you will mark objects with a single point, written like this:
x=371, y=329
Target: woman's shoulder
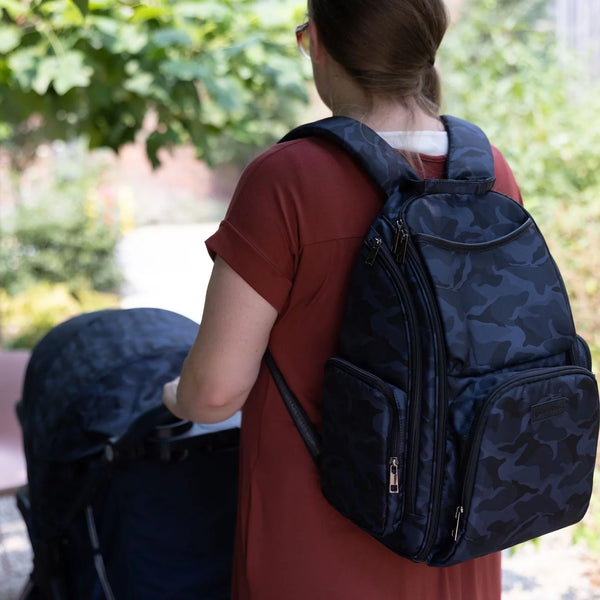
x=304, y=154
x=505, y=179
x=306, y=171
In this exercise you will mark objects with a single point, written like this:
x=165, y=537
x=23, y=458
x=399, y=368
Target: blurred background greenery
x=224, y=79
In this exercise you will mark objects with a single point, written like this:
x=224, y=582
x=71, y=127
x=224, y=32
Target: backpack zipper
x=372, y=255
x=412, y=260
x=414, y=362
x=470, y=462
x=400, y=244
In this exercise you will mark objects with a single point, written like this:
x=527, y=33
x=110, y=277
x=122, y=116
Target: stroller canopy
x=86, y=381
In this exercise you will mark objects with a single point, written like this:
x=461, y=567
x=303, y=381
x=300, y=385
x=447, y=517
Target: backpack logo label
x=549, y=409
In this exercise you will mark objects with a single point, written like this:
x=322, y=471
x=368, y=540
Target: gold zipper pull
x=394, y=489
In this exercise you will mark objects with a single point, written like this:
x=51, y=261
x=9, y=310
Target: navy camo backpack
x=460, y=416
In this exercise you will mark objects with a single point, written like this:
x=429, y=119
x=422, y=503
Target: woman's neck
x=386, y=115
x=381, y=113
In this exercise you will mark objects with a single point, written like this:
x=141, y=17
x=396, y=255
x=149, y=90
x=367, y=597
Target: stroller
x=124, y=501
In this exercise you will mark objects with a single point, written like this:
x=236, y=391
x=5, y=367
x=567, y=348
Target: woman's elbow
x=208, y=402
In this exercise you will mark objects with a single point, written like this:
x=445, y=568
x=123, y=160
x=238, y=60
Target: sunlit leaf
x=186, y=70
x=10, y=36
x=171, y=37
x=82, y=5
x=205, y=67
x=72, y=72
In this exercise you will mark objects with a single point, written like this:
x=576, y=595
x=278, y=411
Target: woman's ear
x=317, y=50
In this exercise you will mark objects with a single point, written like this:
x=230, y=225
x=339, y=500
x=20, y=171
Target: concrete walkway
x=167, y=266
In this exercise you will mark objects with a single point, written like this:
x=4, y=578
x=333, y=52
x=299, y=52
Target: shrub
x=27, y=316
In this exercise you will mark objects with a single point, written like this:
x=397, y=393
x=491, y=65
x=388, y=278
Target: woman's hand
x=169, y=395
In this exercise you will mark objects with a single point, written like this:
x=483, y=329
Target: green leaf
x=23, y=64
x=158, y=140
x=82, y=5
x=206, y=10
x=14, y=8
x=201, y=65
x=48, y=67
x=72, y=72
x=144, y=13
x=131, y=39
x=165, y=38
x=10, y=36
x=187, y=70
x=140, y=83
x=63, y=72
x=227, y=92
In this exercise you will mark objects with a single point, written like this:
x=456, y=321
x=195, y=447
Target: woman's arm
x=224, y=361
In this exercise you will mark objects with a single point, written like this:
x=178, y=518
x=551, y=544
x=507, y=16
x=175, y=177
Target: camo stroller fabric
x=142, y=527
x=461, y=415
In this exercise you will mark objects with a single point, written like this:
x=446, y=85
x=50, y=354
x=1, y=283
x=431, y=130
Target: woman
x=283, y=258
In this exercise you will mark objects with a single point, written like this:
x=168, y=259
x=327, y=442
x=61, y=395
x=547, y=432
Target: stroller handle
x=159, y=434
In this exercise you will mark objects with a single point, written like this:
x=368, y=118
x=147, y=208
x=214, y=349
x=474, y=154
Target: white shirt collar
x=433, y=143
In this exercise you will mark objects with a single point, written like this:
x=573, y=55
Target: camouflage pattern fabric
x=87, y=380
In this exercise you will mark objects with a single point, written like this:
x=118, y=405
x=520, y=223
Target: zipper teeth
x=438, y=333
x=414, y=394
x=540, y=374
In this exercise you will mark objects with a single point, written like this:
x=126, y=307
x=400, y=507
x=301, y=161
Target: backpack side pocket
x=363, y=455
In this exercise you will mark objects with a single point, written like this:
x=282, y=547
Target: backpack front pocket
x=362, y=461
x=528, y=470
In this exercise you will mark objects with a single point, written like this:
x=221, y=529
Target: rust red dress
x=293, y=231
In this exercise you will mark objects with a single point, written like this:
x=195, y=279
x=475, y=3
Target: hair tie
x=431, y=62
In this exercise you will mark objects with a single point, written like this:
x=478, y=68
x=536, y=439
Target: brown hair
x=387, y=46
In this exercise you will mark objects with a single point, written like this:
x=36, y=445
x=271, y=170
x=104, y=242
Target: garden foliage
x=222, y=75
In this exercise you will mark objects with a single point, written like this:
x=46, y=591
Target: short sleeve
x=258, y=238
x=505, y=180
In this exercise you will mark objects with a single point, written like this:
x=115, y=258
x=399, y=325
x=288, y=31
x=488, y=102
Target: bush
x=58, y=248
x=503, y=69
x=27, y=316
x=59, y=244
x=60, y=229
x=572, y=229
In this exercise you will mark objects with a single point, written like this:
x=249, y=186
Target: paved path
x=168, y=267
x=556, y=570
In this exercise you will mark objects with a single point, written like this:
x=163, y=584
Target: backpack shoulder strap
x=469, y=152
x=370, y=150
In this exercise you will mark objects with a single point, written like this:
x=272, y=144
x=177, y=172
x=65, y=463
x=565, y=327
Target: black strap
x=448, y=186
x=305, y=427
